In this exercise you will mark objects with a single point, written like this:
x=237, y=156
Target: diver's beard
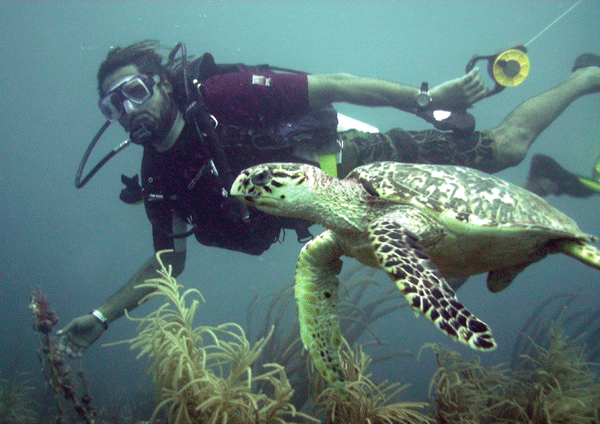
x=147, y=129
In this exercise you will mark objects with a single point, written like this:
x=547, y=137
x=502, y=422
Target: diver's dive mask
x=131, y=95
x=128, y=96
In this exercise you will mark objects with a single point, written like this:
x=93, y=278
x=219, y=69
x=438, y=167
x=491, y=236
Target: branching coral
x=357, y=316
x=578, y=322
x=467, y=392
x=558, y=384
x=203, y=374
x=206, y=375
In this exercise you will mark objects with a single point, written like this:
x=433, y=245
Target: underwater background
x=80, y=246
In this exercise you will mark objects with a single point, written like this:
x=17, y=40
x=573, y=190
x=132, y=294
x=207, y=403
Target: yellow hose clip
x=328, y=164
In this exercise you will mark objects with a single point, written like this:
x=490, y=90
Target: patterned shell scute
x=470, y=195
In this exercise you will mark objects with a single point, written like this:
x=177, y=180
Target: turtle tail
x=582, y=251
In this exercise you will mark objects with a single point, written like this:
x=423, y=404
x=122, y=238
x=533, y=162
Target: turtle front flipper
x=316, y=293
x=400, y=256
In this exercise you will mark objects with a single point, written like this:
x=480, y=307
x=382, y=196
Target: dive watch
x=423, y=98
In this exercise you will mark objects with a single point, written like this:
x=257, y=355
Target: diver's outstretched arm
x=456, y=94
x=83, y=331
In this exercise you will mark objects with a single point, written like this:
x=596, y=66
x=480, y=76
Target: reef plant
x=553, y=384
x=363, y=401
x=16, y=402
x=204, y=374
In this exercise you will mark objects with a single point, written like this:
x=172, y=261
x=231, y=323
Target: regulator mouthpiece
x=143, y=129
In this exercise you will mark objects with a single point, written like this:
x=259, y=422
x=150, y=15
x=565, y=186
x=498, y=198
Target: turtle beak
x=240, y=186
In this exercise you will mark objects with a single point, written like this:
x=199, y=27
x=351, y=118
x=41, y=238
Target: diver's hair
x=141, y=54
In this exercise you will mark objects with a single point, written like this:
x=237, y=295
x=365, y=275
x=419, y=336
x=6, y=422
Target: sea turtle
x=420, y=224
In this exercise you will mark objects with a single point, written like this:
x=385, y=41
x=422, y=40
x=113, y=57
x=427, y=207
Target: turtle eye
x=262, y=178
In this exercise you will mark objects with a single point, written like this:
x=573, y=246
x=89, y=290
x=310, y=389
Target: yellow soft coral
x=203, y=374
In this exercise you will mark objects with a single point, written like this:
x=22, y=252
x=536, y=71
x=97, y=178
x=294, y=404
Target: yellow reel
x=507, y=69
x=510, y=68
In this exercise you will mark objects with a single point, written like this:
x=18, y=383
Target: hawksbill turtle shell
x=421, y=224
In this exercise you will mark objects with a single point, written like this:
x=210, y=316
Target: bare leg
x=489, y=151
x=521, y=127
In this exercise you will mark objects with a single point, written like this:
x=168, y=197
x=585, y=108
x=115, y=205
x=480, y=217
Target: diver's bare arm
x=128, y=296
x=331, y=88
x=459, y=93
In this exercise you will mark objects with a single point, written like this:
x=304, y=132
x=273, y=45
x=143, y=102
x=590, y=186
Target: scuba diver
x=201, y=123
x=547, y=177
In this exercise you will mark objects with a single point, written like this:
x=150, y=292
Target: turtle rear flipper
x=499, y=279
x=400, y=256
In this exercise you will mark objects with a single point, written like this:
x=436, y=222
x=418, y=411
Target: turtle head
x=278, y=188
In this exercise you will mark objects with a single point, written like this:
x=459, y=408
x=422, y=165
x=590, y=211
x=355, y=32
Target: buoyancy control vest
x=314, y=131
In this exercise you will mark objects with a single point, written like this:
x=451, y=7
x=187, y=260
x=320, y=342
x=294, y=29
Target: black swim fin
x=585, y=60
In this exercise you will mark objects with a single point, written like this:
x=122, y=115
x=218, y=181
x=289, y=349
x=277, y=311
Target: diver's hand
x=460, y=93
x=79, y=334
